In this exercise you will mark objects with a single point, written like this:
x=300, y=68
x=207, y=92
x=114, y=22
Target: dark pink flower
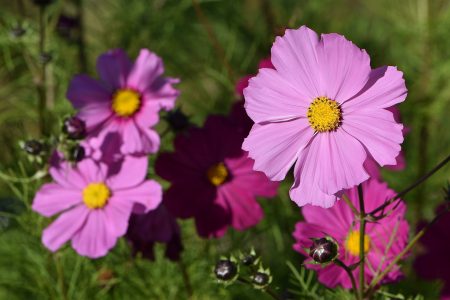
x=385, y=238
x=156, y=226
x=213, y=179
x=126, y=99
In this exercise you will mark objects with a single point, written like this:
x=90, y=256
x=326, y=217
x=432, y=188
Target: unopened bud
x=323, y=250
x=74, y=128
x=225, y=270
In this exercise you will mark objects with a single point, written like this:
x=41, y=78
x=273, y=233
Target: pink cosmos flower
x=94, y=202
x=243, y=82
x=155, y=226
x=213, y=179
x=324, y=109
x=384, y=239
x=126, y=99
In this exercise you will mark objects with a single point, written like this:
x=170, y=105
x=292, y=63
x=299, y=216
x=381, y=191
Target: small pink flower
x=213, y=179
x=95, y=203
x=323, y=109
x=384, y=240
x=126, y=99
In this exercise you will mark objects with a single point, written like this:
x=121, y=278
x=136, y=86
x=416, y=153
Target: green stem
x=41, y=85
x=350, y=274
x=186, y=279
x=362, y=232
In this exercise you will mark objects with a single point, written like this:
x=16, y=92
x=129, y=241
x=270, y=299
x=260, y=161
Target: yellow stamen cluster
x=352, y=243
x=324, y=114
x=217, y=174
x=96, y=195
x=126, y=102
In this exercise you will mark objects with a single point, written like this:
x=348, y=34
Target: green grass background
x=209, y=46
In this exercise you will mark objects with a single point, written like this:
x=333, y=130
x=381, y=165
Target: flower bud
x=225, y=270
x=74, y=128
x=248, y=259
x=323, y=250
x=77, y=153
x=177, y=120
x=261, y=279
x=33, y=147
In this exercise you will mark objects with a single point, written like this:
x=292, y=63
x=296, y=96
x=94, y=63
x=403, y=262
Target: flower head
x=325, y=110
x=156, y=226
x=383, y=241
x=94, y=203
x=126, y=99
x=213, y=179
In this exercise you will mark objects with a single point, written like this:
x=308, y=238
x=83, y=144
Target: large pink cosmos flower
x=95, y=203
x=384, y=240
x=213, y=179
x=324, y=109
x=126, y=99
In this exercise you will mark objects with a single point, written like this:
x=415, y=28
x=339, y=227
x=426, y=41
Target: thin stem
x=267, y=290
x=350, y=204
x=411, y=187
x=186, y=278
x=416, y=238
x=80, y=41
x=362, y=233
x=41, y=85
x=350, y=274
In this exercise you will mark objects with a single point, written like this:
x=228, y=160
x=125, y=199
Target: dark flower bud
x=261, y=279
x=323, y=250
x=177, y=120
x=45, y=58
x=33, y=147
x=42, y=2
x=17, y=31
x=225, y=270
x=74, y=128
x=249, y=259
x=77, y=153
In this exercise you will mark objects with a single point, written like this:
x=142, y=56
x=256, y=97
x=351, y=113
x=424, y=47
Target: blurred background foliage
x=209, y=45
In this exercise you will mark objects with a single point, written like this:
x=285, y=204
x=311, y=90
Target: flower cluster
x=97, y=194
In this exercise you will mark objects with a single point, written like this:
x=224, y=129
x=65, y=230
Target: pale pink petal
x=94, y=114
x=271, y=98
x=377, y=131
x=345, y=68
x=83, y=91
x=132, y=139
x=53, y=198
x=385, y=88
x=332, y=276
x=342, y=158
x=147, y=67
x=162, y=92
x=148, y=194
x=118, y=213
x=91, y=170
x=113, y=68
x=64, y=228
x=96, y=237
x=150, y=140
x=147, y=116
x=295, y=56
x=276, y=146
x=65, y=175
x=132, y=171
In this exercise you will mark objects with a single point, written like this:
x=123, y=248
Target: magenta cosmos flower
x=384, y=239
x=156, y=226
x=324, y=109
x=126, y=99
x=213, y=179
x=95, y=203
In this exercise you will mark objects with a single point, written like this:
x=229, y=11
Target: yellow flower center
x=324, y=114
x=352, y=243
x=217, y=174
x=126, y=102
x=96, y=195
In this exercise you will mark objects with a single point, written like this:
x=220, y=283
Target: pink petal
x=83, y=91
x=162, y=92
x=132, y=139
x=132, y=171
x=385, y=88
x=269, y=97
x=64, y=174
x=95, y=114
x=113, y=68
x=333, y=275
x=148, y=194
x=150, y=140
x=377, y=131
x=96, y=237
x=296, y=58
x=64, y=228
x=91, y=170
x=118, y=213
x=147, y=67
x=342, y=158
x=242, y=84
x=53, y=198
x=148, y=114
x=276, y=146
x=307, y=172
x=345, y=68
